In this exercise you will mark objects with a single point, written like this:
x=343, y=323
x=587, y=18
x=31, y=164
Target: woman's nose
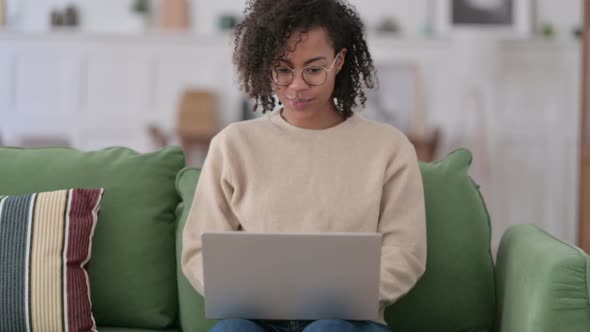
x=298, y=82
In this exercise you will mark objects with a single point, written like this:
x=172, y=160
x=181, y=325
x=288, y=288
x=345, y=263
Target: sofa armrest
x=542, y=283
x=191, y=304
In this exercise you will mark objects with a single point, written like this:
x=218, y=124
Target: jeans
x=324, y=325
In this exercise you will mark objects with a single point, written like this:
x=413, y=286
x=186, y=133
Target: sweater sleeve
x=210, y=212
x=402, y=223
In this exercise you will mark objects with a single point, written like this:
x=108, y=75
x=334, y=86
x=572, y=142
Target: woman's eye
x=314, y=70
x=282, y=70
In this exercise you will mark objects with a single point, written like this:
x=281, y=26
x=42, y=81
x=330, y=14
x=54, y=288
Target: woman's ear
x=342, y=59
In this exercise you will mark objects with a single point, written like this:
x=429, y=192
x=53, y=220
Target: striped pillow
x=45, y=245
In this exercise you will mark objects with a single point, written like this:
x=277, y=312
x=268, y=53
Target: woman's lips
x=299, y=103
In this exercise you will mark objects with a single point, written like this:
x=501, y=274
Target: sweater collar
x=277, y=120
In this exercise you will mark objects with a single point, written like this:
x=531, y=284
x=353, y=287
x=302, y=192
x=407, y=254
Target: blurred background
x=500, y=77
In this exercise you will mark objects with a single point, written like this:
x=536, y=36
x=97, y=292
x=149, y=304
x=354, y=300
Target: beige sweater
x=266, y=175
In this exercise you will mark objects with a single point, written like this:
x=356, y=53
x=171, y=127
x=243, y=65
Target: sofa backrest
x=192, y=307
x=543, y=283
x=133, y=268
x=457, y=292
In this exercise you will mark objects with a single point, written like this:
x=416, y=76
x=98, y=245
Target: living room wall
x=114, y=15
x=98, y=87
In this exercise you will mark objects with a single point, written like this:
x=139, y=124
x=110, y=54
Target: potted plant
x=142, y=10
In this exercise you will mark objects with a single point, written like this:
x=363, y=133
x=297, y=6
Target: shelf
x=375, y=40
x=126, y=37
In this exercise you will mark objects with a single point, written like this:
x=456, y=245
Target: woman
x=313, y=165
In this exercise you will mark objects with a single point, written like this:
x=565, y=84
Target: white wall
x=527, y=167
x=114, y=15
x=101, y=91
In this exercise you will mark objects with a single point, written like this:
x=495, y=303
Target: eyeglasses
x=312, y=75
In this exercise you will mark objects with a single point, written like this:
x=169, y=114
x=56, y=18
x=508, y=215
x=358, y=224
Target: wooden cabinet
x=584, y=207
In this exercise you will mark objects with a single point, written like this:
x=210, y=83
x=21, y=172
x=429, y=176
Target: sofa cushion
x=192, y=307
x=543, y=283
x=45, y=245
x=133, y=270
x=457, y=292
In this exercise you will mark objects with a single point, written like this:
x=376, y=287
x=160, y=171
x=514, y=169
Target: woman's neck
x=318, y=120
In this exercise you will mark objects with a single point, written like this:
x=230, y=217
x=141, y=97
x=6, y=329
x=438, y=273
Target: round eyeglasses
x=312, y=75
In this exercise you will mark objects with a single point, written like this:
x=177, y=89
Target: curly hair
x=262, y=37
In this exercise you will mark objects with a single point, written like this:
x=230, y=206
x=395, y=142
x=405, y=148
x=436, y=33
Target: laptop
x=286, y=276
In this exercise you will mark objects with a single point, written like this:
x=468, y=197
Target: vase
x=175, y=15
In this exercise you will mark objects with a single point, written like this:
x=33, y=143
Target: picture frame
x=399, y=97
x=500, y=18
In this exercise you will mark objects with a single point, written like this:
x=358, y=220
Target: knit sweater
x=266, y=175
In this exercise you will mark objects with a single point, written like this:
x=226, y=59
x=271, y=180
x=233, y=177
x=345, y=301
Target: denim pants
x=324, y=325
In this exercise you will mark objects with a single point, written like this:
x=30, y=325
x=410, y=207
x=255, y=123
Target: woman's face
x=310, y=50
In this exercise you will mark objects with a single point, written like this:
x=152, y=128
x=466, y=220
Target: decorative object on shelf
x=577, y=32
x=71, y=16
x=389, y=25
x=12, y=12
x=141, y=7
x=175, y=14
x=143, y=10
x=56, y=18
x=227, y=22
x=427, y=29
x=67, y=17
x=505, y=18
x=547, y=30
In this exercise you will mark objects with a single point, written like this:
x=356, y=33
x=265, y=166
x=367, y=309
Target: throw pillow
x=45, y=247
x=457, y=291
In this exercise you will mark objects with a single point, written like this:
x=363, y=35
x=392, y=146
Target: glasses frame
x=294, y=72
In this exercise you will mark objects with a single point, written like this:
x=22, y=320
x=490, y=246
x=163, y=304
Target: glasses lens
x=315, y=75
x=282, y=75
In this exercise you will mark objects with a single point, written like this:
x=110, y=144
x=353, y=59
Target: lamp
x=197, y=120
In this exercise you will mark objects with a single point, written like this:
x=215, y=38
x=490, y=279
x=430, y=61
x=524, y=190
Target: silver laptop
x=291, y=276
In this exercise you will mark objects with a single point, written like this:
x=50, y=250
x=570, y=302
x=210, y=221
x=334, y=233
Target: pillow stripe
x=13, y=240
x=63, y=257
x=45, y=242
x=47, y=237
x=84, y=209
x=30, y=229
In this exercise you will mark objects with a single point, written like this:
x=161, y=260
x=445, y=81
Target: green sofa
x=538, y=284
